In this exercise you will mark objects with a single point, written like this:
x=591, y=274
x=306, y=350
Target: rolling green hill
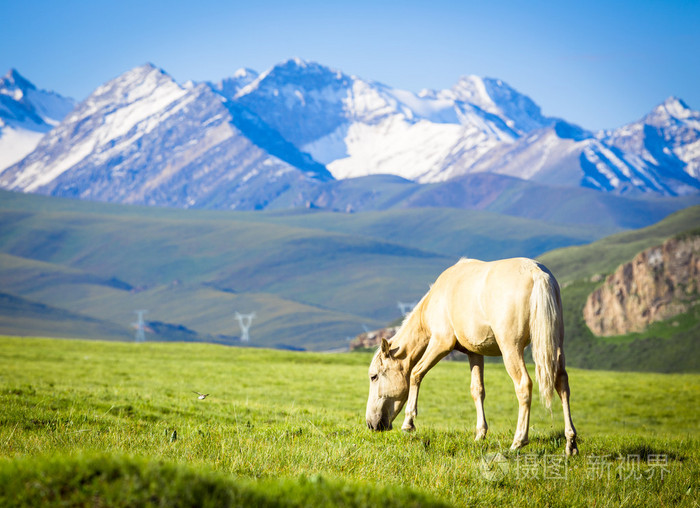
x=313, y=278
x=604, y=255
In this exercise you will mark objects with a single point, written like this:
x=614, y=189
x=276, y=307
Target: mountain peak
x=296, y=68
x=13, y=79
x=146, y=69
x=137, y=82
x=297, y=74
x=297, y=62
x=675, y=107
x=675, y=101
x=245, y=72
x=471, y=89
x=143, y=72
x=26, y=114
x=497, y=97
x=230, y=87
x=673, y=110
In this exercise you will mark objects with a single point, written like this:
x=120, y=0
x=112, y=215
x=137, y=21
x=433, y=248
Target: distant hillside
x=492, y=192
x=672, y=345
x=313, y=278
x=606, y=254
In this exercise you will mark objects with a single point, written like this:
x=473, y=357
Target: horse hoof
x=408, y=429
x=518, y=444
x=480, y=435
x=571, y=450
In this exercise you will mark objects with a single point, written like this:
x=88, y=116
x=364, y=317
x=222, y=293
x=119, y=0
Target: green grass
x=92, y=423
x=116, y=481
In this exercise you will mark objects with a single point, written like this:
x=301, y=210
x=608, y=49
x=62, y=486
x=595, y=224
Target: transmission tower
x=140, y=326
x=244, y=321
x=406, y=307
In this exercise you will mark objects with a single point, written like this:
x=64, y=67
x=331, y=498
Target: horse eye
x=373, y=377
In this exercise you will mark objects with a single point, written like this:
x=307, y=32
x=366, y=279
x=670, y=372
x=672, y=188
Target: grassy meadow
x=89, y=423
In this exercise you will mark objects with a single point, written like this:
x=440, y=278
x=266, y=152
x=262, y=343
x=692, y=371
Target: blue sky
x=600, y=64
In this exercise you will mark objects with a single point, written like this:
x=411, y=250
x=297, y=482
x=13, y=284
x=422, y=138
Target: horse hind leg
x=515, y=365
x=476, y=364
x=562, y=387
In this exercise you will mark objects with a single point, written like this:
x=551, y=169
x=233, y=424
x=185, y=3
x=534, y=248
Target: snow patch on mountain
x=145, y=93
x=26, y=114
x=15, y=144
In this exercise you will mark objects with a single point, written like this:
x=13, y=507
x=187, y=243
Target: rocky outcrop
x=657, y=284
x=372, y=339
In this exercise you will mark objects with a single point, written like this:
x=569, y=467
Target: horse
x=482, y=309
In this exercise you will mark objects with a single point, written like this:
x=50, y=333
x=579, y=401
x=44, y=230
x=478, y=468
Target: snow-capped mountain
x=357, y=127
x=26, y=114
x=143, y=138
x=284, y=137
x=660, y=155
x=666, y=142
x=567, y=155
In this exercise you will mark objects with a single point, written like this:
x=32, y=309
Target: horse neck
x=412, y=339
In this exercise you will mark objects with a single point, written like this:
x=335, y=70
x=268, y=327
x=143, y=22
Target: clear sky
x=599, y=64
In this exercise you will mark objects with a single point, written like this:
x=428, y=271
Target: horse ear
x=385, y=347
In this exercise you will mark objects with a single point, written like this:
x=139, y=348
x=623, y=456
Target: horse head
x=388, y=388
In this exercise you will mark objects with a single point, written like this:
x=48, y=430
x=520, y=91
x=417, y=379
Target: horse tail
x=546, y=331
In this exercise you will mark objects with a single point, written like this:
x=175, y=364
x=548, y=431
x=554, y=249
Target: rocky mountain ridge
x=277, y=139
x=144, y=139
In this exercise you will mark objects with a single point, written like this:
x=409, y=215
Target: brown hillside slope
x=659, y=283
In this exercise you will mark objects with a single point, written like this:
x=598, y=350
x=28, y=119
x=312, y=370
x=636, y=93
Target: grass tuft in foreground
x=104, y=480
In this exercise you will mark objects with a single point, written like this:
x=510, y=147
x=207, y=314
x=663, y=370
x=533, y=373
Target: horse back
x=482, y=306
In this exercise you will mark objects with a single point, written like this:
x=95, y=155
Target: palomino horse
x=479, y=308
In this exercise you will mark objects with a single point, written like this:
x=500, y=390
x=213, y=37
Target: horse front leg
x=433, y=354
x=411, y=407
x=515, y=365
x=476, y=364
